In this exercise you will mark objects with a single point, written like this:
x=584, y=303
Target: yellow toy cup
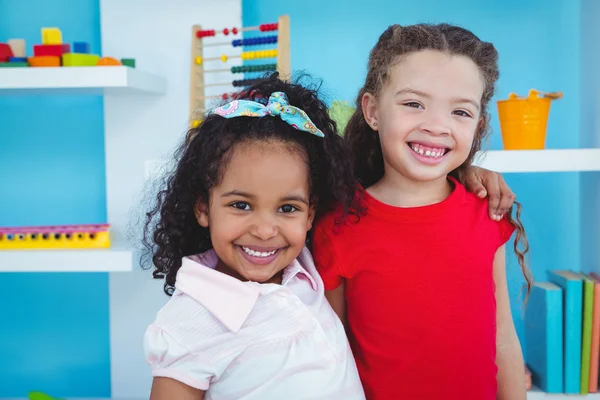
x=523, y=120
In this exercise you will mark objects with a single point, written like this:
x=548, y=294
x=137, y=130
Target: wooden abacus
x=281, y=64
x=55, y=237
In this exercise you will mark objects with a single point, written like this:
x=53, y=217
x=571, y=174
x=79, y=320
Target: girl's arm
x=484, y=183
x=509, y=357
x=168, y=389
x=338, y=301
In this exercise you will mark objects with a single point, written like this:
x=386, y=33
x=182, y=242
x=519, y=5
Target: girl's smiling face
x=259, y=214
x=427, y=114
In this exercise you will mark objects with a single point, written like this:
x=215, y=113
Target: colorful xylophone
x=62, y=237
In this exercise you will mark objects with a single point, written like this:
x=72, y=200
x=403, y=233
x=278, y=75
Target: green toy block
x=41, y=396
x=79, y=60
x=13, y=64
x=128, y=62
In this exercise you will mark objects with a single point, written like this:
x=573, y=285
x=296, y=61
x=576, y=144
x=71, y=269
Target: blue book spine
x=544, y=337
x=572, y=285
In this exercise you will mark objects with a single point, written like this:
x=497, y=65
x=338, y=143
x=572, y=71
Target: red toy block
x=57, y=50
x=5, y=52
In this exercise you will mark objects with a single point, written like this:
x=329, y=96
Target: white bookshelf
x=504, y=161
x=92, y=260
x=550, y=160
x=106, y=80
x=539, y=395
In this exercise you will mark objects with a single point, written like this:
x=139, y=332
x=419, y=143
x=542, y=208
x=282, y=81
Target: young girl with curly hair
x=421, y=277
x=247, y=317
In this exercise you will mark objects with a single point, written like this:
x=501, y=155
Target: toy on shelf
x=18, y=47
x=524, y=120
x=41, y=396
x=61, y=237
x=108, y=61
x=341, y=111
x=52, y=52
x=280, y=54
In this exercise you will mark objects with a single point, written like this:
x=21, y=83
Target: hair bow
x=278, y=105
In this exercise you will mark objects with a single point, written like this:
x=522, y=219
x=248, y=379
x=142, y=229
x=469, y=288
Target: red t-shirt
x=420, y=295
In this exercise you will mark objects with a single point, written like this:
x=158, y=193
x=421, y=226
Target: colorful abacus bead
x=198, y=60
x=225, y=31
x=205, y=33
x=267, y=27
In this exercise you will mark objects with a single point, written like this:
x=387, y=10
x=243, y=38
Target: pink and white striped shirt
x=245, y=340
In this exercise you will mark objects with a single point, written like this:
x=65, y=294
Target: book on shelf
x=562, y=333
x=544, y=336
x=572, y=285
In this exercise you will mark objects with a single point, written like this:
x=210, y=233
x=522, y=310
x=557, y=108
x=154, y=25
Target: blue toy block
x=81, y=47
x=17, y=59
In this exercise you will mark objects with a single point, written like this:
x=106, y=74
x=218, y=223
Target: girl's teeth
x=258, y=253
x=427, y=153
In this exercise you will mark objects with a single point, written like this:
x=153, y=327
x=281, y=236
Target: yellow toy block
x=79, y=60
x=18, y=47
x=51, y=36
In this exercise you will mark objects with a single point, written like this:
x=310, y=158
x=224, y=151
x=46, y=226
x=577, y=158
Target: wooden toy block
x=51, y=36
x=55, y=237
x=128, y=62
x=17, y=59
x=51, y=49
x=44, y=61
x=80, y=60
x=5, y=52
x=108, y=61
x=14, y=64
x=81, y=47
x=18, y=47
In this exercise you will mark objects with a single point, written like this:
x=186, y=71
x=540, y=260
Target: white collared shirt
x=245, y=340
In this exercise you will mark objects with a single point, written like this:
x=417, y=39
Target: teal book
x=544, y=337
x=572, y=286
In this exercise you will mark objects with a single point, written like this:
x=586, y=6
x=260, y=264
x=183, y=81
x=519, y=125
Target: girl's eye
x=288, y=208
x=462, y=113
x=413, y=104
x=241, y=205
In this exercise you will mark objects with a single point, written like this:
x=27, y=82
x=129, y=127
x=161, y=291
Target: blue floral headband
x=278, y=105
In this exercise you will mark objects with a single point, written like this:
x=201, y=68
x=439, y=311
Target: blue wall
x=54, y=328
x=538, y=42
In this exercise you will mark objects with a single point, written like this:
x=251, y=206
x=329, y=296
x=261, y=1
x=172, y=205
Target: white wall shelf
x=524, y=161
x=92, y=260
x=79, y=80
x=504, y=161
x=538, y=395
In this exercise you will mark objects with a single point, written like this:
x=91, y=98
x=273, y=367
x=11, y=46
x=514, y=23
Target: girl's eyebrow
x=239, y=193
x=292, y=197
x=461, y=100
x=427, y=96
x=412, y=91
x=300, y=199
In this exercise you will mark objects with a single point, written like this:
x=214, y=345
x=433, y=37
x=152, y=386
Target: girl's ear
x=369, y=109
x=311, y=217
x=201, y=213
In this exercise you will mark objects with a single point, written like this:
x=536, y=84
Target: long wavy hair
x=396, y=43
x=171, y=230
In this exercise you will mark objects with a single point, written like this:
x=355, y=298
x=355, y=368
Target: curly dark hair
x=171, y=230
x=396, y=43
